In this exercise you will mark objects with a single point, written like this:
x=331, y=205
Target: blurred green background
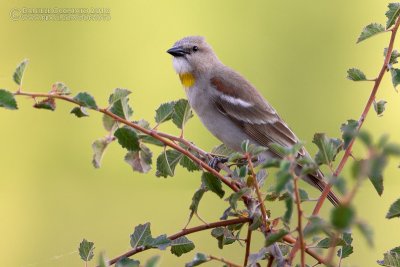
x=296, y=53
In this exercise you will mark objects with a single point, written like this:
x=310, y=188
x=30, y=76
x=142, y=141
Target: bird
x=230, y=107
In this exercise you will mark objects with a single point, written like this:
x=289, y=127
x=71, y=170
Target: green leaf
x=198, y=195
x=48, y=103
x=289, y=210
x=224, y=236
x=356, y=75
x=392, y=14
x=140, y=161
x=19, y=72
x=103, y=262
x=349, y=131
x=160, y=242
x=60, y=89
x=393, y=57
x=283, y=176
x=80, y=112
x=188, y=164
x=7, y=100
x=390, y=259
x=127, y=138
x=316, y=225
x=328, y=148
x=236, y=196
x=366, y=231
x=345, y=251
x=342, y=217
x=153, y=261
x=126, y=262
x=328, y=242
x=391, y=150
x=198, y=259
x=274, y=237
x=181, y=245
x=212, y=183
x=141, y=235
x=376, y=165
x=119, y=93
x=164, y=112
x=166, y=163
x=99, y=146
x=85, y=100
x=395, y=77
x=394, y=210
x=182, y=113
x=371, y=30
x=222, y=150
x=303, y=195
x=86, y=249
x=379, y=107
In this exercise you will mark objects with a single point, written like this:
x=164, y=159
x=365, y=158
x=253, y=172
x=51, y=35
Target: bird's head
x=192, y=54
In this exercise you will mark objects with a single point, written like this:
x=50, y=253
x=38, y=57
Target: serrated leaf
x=390, y=259
x=222, y=150
x=376, y=165
x=127, y=138
x=140, y=160
x=345, y=251
x=161, y=242
x=164, y=112
x=86, y=249
x=371, y=30
x=48, y=103
x=274, y=237
x=188, y=164
x=395, y=77
x=393, y=57
x=289, y=210
x=283, y=176
x=394, y=210
x=342, y=217
x=328, y=148
x=99, y=146
x=181, y=245
x=60, y=89
x=198, y=259
x=234, y=197
x=166, y=163
x=303, y=195
x=379, y=107
x=118, y=94
x=152, y=262
x=150, y=140
x=19, y=72
x=224, y=236
x=182, y=113
x=7, y=100
x=141, y=235
x=86, y=100
x=126, y=262
x=80, y=112
x=392, y=14
x=366, y=231
x=212, y=183
x=328, y=242
x=356, y=75
x=349, y=131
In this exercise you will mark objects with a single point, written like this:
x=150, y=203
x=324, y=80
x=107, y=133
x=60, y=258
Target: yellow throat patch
x=187, y=79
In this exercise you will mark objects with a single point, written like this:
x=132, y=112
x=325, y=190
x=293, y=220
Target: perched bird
x=229, y=106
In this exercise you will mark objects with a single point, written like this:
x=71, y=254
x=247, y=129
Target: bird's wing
x=240, y=101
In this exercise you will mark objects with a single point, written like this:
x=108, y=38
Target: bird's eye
x=195, y=48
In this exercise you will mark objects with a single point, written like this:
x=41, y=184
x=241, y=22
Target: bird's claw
x=215, y=160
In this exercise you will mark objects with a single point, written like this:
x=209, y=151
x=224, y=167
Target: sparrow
x=230, y=107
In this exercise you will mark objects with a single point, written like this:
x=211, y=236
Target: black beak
x=177, y=51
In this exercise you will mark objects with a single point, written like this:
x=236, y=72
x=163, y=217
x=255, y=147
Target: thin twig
x=361, y=120
x=299, y=220
x=228, y=263
x=270, y=261
x=184, y=232
x=248, y=245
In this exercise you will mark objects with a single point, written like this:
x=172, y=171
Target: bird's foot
x=215, y=160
